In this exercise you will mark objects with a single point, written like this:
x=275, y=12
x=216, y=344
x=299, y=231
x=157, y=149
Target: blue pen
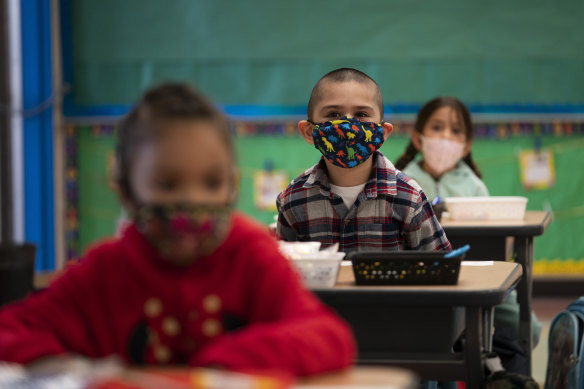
x=437, y=200
x=459, y=251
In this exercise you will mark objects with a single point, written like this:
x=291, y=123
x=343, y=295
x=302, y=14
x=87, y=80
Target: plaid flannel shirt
x=391, y=213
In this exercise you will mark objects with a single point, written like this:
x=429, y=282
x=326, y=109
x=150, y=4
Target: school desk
x=373, y=377
x=356, y=377
x=414, y=327
x=111, y=375
x=489, y=240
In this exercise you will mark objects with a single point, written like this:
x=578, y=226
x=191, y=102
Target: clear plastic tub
x=319, y=272
x=486, y=208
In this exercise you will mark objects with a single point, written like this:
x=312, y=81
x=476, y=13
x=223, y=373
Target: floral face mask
x=347, y=142
x=182, y=233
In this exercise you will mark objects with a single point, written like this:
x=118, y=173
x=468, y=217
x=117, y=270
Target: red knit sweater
x=242, y=307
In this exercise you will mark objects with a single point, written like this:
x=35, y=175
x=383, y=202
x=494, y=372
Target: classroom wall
x=511, y=62
x=94, y=210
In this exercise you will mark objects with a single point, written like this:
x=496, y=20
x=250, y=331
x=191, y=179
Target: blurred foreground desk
x=108, y=374
x=415, y=326
x=488, y=240
x=362, y=377
x=357, y=377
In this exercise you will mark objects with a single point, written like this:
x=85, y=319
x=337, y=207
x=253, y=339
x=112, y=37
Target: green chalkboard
x=272, y=52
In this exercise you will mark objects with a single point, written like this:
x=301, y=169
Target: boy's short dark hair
x=342, y=75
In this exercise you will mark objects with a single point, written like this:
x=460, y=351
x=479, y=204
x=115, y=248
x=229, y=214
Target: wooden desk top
x=534, y=223
x=363, y=376
x=373, y=377
x=477, y=285
x=112, y=375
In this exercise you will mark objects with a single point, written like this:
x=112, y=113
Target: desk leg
x=488, y=325
x=472, y=348
x=524, y=251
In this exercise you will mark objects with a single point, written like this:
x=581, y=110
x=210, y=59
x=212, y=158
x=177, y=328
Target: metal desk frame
x=488, y=241
x=478, y=290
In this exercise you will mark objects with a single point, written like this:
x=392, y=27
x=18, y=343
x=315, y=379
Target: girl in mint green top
x=443, y=135
x=461, y=181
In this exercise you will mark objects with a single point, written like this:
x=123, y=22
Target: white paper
x=477, y=263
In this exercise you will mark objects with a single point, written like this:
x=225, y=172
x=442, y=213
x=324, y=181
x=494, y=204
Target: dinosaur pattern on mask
x=359, y=139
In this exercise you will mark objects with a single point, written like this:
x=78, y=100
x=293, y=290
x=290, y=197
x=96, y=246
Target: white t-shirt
x=348, y=193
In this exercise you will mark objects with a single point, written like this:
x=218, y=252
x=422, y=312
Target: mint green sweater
x=459, y=182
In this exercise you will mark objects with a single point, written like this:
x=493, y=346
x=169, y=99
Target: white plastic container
x=486, y=208
x=319, y=272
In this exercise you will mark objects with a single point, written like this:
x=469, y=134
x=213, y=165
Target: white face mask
x=441, y=154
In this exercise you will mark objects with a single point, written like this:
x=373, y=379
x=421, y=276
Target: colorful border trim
x=558, y=266
x=272, y=112
x=499, y=130
x=73, y=250
x=71, y=193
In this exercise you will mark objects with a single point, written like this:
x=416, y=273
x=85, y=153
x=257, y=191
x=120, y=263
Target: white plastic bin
x=486, y=208
x=319, y=272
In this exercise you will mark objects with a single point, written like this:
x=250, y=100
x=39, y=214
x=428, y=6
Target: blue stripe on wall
x=38, y=130
x=259, y=111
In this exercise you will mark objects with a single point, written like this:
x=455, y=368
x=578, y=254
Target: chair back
x=16, y=271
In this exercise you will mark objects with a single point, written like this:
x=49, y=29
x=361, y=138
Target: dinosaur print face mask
x=347, y=142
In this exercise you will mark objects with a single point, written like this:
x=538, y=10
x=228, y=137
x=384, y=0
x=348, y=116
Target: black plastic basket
x=405, y=268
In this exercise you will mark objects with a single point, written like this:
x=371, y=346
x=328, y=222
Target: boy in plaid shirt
x=354, y=195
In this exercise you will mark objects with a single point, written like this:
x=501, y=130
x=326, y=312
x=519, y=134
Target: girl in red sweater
x=190, y=281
